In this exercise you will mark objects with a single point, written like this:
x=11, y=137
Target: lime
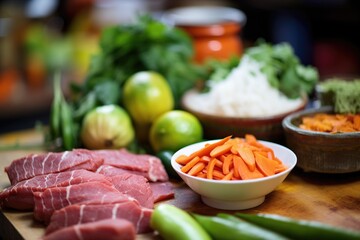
x=174, y=130
x=146, y=96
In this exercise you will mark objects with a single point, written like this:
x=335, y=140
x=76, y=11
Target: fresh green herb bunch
x=146, y=44
x=283, y=68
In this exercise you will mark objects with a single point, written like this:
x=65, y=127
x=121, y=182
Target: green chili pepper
x=165, y=157
x=173, y=223
x=227, y=227
x=299, y=229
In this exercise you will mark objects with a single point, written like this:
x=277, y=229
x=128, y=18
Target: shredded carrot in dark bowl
x=324, y=141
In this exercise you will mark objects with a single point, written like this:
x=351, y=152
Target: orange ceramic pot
x=215, y=30
x=220, y=41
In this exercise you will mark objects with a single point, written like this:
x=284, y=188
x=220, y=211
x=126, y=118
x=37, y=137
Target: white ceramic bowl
x=239, y=194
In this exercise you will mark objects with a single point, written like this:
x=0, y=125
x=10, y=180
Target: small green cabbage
x=107, y=127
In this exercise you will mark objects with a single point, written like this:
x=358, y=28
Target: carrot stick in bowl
x=232, y=159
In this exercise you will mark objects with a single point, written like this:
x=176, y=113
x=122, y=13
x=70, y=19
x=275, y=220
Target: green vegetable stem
x=173, y=223
x=299, y=229
x=61, y=119
x=227, y=227
x=67, y=126
x=56, y=108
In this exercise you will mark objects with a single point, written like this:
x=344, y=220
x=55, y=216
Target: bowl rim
x=288, y=125
x=221, y=182
x=244, y=119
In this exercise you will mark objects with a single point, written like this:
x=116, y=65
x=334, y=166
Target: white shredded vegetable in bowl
x=245, y=92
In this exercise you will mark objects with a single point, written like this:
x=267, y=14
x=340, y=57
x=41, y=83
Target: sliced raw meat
x=40, y=164
x=109, y=229
x=110, y=171
x=92, y=192
x=134, y=186
x=162, y=191
x=142, y=163
x=84, y=213
x=20, y=196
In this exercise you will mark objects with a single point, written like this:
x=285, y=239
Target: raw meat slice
x=84, y=213
x=58, y=197
x=142, y=163
x=109, y=229
x=134, y=186
x=20, y=196
x=110, y=171
x=162, y=191
x=34, y=164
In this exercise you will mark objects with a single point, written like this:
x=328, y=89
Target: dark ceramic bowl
x=322, y=152
x=267, y=128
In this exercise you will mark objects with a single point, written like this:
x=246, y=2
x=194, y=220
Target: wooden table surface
x=331, y=199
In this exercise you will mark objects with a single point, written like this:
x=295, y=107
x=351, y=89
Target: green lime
x=174, y=130
x=147, y=95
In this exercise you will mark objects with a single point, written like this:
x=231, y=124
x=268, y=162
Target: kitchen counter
x=331, y=199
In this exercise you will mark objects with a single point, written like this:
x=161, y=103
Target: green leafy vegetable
x=283, y=69
x=144, y=45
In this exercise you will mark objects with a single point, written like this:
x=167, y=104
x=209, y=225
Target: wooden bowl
x=266, y=128
x=322, y=152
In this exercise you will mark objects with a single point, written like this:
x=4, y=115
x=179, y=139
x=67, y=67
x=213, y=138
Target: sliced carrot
x=235, y=178
x=248, y=156
x=182, y=159
x=232, y=159
x=201, y=175
x=218, y=174
x=277, y=160
x=245, y=172
x=205, y=158
x=190, y=164
x=264, y=153
x=280, y=168
x=220, y=150
x=203, y=151
x=357, y=122
x=218, y=163
x=249, y=138
x=210, y=169
x=265, y=165
x=236, y=160
x=229, y=175
x=196, y=168
x=226, y=164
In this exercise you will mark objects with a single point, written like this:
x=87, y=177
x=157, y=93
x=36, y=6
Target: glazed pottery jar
x=215, y=30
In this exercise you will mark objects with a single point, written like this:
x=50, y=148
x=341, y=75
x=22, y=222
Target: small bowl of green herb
x=343, y=95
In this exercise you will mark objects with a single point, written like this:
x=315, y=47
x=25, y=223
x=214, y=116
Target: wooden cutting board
x=331, y=199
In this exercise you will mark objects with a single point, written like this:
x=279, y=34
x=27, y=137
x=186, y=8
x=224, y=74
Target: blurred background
x=39, y=37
